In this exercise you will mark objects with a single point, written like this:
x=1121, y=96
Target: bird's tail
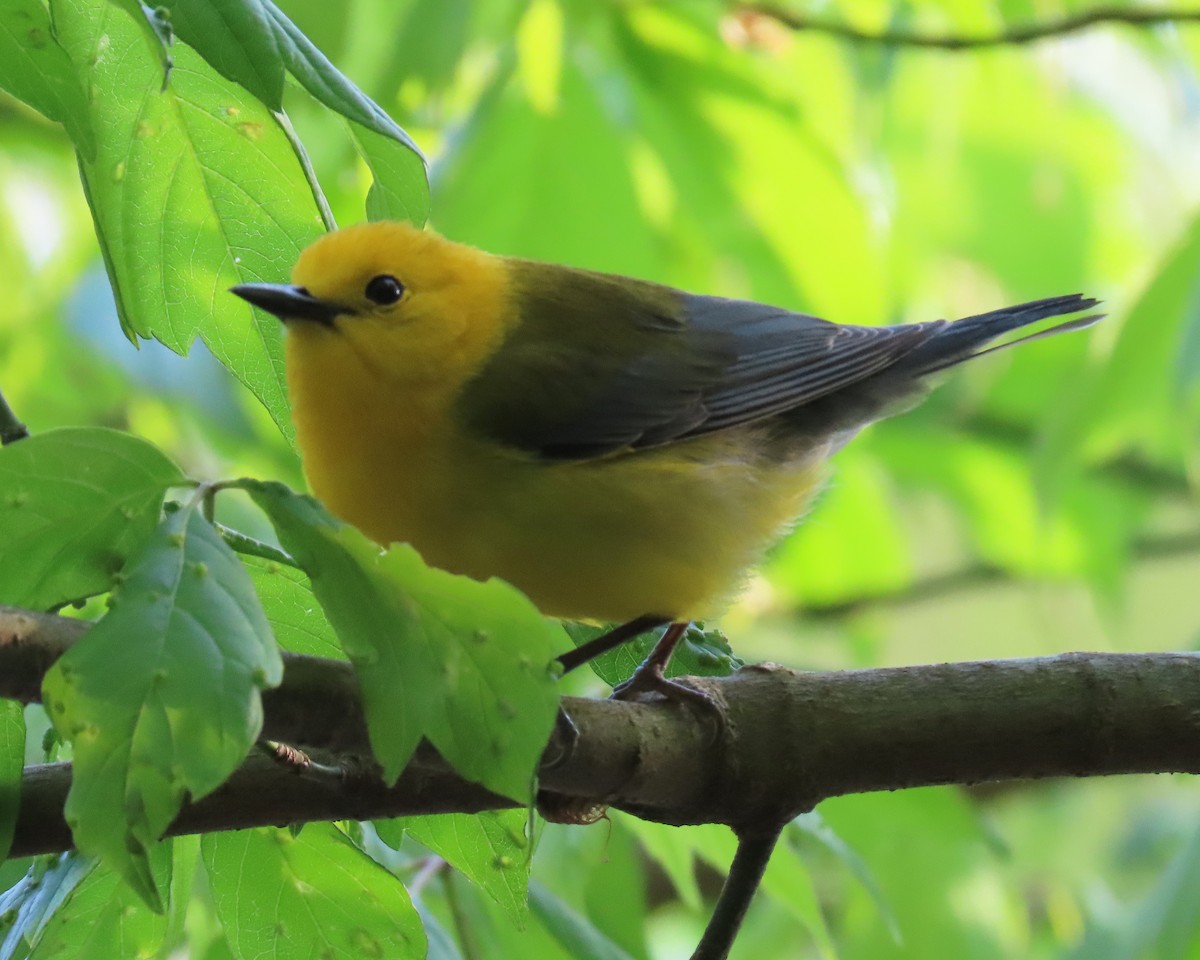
x=963, y=339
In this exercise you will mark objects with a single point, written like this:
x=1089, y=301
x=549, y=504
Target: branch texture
x=1013, y=36
x=792, y=739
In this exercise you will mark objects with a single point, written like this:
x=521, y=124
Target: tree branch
x=939, y=585
x=792, y=740
x=1015, y=35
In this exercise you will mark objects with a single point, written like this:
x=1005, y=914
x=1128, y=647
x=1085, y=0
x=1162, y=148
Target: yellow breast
x=668, y=531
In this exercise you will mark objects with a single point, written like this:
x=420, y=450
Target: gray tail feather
x=961, y=340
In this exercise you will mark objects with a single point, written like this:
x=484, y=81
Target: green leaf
x=292, y=610
x=74, y=504
x=671, y=849
x=326, y=83
x=12, y=762
x=465, y=664
x=208, y=159
x=307, y=896
x=237, y=38
x=161, y=697
x=75, y=907
x=253, y=43
x=490, y=848
x=701, y=653
x=924, y=847
x=577, y=935
x=399, y=190
x=34, y=68
x=155, y=26
x=813, y=826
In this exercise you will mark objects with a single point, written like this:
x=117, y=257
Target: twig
x=754, y=851
x=973, y=576
x=299, y=762
x=1015, y=35
x=11, y=428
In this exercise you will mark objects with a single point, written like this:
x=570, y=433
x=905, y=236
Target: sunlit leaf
x=34, y=68
x=331, y=899
x=74, y=504
x=464, y=664
x=160, y=699
x=209, y=160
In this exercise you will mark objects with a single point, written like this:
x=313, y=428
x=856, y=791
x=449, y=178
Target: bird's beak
x=288, y=302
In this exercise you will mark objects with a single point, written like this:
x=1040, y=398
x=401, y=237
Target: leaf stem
x=285, y=124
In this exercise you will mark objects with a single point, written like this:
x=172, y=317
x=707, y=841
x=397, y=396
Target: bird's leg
x=650, y=676
x=611, y=640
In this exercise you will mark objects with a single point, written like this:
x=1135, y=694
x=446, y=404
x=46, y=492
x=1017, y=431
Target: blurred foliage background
x=1038, y=502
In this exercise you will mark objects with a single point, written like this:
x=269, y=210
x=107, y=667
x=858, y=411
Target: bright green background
x=1037, y=503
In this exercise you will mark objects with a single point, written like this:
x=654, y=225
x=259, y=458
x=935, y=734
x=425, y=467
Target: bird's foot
x=649, y=678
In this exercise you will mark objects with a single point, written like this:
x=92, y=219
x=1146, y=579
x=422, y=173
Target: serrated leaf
x=161, y=697
x=74, y=504
x=490, y=848
x=35, y=69
x=292, y=610
x=701, y=653
x=462, y=663
x=12, y=762
x=211, y=161
x=77, y=908
x=331, y=899
x=253, y=43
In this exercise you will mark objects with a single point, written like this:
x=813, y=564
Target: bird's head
x=401, y=302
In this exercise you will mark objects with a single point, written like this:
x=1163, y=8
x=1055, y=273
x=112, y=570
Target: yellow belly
x=670, y=531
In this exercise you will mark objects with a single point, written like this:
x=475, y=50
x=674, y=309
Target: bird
x=617, y=449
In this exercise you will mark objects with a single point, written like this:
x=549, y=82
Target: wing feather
x=600, y=364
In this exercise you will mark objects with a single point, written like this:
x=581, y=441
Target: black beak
x=289, y=303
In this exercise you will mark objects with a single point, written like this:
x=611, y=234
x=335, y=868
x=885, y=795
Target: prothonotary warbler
x=617, y=449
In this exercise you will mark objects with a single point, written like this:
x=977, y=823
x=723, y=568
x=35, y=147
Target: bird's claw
x=649, y=679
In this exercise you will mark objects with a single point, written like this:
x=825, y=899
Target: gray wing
x=603, y=364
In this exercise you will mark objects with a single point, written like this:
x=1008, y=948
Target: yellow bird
x=617, y=449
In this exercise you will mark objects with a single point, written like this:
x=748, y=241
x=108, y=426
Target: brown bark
x=791, y=740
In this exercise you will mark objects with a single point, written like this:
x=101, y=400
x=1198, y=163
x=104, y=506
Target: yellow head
x=391, y=302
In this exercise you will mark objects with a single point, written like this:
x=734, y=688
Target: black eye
x=384, y=290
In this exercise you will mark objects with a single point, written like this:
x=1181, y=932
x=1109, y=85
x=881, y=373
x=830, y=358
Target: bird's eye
x=384, y=290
